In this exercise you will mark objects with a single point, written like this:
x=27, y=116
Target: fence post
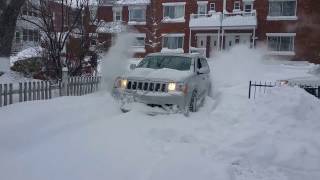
x=50, y=91
x=250, y=89
x=29, y=92
x=64, y=81
x=0, y=95
x=25, y=88
x=5, y=95
x=10, y=93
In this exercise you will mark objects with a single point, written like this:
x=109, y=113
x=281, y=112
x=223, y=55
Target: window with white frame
x=137, y=14
x=30, y=35
x=236, y=6
x=117, y=16
x=212, y=6
x=282, y=7
x=248, y=6
x=202, y=7
x=18, y=37
x=28, y=9
x=117, y=13
x=139, y=41
x=173, y=42
x=281, y=42
x=173, y=10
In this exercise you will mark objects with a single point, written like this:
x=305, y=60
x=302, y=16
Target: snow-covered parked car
x=174, y=82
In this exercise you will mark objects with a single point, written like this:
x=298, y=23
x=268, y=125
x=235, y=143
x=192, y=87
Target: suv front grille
x=147, y=86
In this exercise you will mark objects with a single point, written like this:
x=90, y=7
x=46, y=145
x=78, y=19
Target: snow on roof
x=213, y=20
x=239, y=20
x=133, y=2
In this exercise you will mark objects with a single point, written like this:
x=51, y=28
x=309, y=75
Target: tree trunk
x=8, y=18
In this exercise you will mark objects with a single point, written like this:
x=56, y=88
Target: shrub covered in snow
x=28, y=67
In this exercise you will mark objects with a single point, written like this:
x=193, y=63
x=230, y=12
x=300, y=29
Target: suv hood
x=164, y=74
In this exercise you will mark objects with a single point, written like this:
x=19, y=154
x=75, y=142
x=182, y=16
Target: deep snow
x=274, y=137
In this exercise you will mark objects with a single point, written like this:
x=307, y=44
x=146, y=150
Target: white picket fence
x=41, y=90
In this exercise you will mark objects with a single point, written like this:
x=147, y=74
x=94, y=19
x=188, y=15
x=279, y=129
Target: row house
x=26, y=34
x=287, y=28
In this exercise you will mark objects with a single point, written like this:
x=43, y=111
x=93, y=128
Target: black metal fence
x=263, y=87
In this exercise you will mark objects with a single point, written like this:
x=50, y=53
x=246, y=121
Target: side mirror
x=203, y=70
x=132, y=66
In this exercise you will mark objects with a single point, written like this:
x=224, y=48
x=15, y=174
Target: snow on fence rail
x=41, y=90
x=259, y=87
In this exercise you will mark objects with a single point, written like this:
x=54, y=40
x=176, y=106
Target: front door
x=214, y=45
x=202, y=42
x=232, y=40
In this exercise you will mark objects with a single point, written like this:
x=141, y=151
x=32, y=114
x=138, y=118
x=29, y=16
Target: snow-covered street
x=274, y=137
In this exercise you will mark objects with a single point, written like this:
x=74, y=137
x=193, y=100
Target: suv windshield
x=171, y=62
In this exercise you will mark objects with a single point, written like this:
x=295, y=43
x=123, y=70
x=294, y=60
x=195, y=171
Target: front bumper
x=151, y=98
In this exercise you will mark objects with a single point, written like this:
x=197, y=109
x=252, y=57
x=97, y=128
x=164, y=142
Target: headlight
x=178, y=87
x=172, y=86
x=284, y=82
x=121, y=83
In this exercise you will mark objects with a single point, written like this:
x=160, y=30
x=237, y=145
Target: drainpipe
x=189, y=40
x=224, y=6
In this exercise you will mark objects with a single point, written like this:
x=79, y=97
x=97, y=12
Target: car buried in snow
x=168, y=81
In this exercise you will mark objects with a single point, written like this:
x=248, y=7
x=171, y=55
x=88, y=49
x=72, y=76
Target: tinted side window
x=199, y=64
x=204, y=62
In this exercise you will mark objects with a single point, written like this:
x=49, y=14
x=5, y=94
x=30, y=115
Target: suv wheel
x=193, y=106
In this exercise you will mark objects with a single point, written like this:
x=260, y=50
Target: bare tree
x=9, y=11
x=86, y=39
x=58, y=21
x=153, y=30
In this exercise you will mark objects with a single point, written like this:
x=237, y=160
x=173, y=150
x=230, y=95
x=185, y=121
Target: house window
x=25, y=35
x=248, y=7
x=173, y=42
x=137, y=15
x=117, y=16
x=28, y=9
x=202, y=8
x=139, y=42
x=236, y=6
x=212, y=6
x=18, y=37
x=282, y=8
x=30, y=35
x=281, y=43
x=173, y=12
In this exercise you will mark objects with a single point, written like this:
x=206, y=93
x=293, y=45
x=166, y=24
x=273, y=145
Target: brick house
x=289, y=28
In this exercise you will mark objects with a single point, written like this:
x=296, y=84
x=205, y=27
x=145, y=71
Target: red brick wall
x=105, y=13
x=307, y=27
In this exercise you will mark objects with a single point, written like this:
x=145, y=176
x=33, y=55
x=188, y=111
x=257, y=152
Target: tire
x=193, y=106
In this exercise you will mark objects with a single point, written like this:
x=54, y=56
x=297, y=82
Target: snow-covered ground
x=274, y=137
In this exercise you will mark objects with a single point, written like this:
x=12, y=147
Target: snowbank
x=4, y=64
x=275, y=137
